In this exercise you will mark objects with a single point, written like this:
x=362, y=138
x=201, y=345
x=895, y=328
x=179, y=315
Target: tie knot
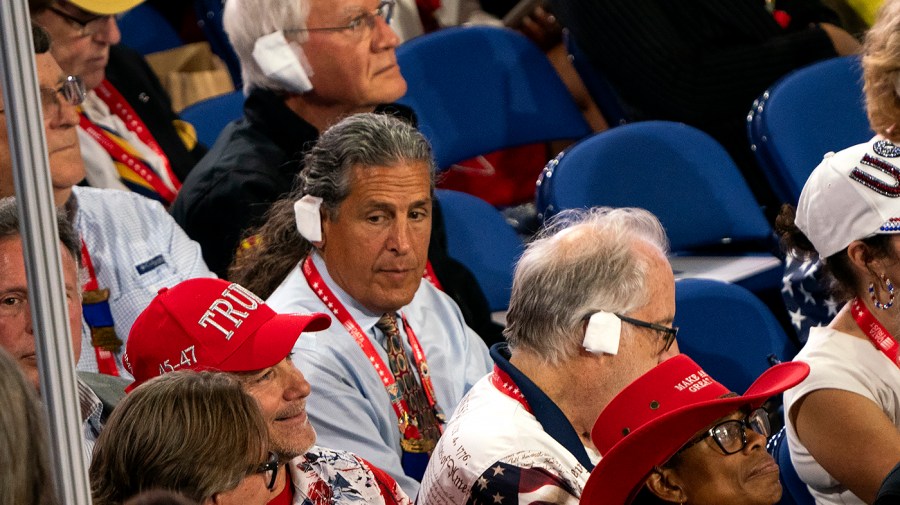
x=387, y=324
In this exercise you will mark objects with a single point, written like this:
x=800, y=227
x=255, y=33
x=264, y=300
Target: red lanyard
x=401, y=409
x=430, y=277
x=93, y=295
x=877, y=333
x=121, y=108
x=504, y=383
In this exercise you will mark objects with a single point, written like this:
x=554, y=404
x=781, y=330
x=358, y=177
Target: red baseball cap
x=211, y=324
x=657, y=414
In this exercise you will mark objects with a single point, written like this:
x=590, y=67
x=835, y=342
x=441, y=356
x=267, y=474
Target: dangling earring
x=889, y=286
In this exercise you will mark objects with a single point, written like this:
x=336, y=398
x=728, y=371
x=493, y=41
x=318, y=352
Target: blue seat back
x=480, y=238
x=728, y=331
x=479, y=89
x=675, y=171
x=793, y=489
x=209, y=18
x=145, y=30
x=210, y=116
x=812, y=111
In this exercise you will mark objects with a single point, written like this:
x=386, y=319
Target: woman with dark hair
x=196, y=433
x=843, y=422
x=848, y=410
x=675, y=435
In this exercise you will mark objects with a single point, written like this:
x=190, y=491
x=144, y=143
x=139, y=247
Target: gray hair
x=245, y=21
x=562, y=276
x=365, y=140
x=24, y=457
x=358, y=141
x=10, y=226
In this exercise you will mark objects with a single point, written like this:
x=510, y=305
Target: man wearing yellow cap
x=130, y=137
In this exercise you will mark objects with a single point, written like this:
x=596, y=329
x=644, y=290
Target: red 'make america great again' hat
x=211, y=324
x=657, y=414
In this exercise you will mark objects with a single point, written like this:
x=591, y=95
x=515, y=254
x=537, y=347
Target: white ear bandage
x=603, y=332
x=309, y=221
x=282, y=61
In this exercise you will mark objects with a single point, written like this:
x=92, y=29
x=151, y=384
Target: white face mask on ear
x=604, y=329
x=284, y=62
x=309, y=221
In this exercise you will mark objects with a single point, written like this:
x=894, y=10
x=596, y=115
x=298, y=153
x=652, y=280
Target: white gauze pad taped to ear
x=603, y=332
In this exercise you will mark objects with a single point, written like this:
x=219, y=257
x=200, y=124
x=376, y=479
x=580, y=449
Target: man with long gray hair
x=352, y=241
x=592, y=306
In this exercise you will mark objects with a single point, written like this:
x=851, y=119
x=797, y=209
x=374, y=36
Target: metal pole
x=40, y=240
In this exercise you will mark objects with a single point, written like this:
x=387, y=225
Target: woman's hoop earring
x=889, y=287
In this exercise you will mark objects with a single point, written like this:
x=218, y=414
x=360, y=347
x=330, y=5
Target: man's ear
x=665, y=484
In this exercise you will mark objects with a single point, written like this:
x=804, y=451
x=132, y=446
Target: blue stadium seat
x=728, y=331
x=812, y=111
x=146, y=31
x=479, y=238
x=210, y=116
x=678, y=173
x=476, y=90
x=793, y=489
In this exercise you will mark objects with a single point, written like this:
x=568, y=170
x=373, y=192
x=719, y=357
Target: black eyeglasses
x=86, y=27
x=361, y=25
x=669, y=334
x=731, y=435
x=269, y=469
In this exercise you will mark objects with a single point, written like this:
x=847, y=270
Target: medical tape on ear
x=282, y=61
x=603, y=332
x=309, y=221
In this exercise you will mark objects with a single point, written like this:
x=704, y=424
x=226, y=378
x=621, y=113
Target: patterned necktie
x=420, y=412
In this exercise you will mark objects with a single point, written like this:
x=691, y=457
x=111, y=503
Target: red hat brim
x=267, y=346
x=272, y=341
x=623, y=469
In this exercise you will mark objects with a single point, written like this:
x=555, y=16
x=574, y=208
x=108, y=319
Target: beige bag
x=190, y=73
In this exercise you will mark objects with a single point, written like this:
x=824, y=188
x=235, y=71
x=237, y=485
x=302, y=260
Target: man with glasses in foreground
x=199, y=434
x=217, y=326
x=592, y=305
x=675, y=435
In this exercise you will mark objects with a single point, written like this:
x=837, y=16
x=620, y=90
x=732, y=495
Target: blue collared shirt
x=349, y=406
x=136, y=249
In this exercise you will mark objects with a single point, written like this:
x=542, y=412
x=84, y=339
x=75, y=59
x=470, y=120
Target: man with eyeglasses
x=592, y=305
x=130, y=137
x=130, y=246
x=218, y=326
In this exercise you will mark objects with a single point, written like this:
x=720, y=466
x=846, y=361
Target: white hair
x=246, y=21
x=583, y=261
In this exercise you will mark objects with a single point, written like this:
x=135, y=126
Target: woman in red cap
x=675, y=435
